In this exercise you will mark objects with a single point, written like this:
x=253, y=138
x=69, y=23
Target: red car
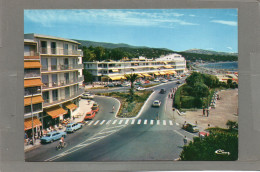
x=95, y=107
x=90, y=115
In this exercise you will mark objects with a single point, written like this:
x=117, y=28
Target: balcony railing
x=60, y=51
x=60, y=83
x=62, y=67
x=32, y=74
x=80, y=79
x=31, y=55
x=30, y=92
x=48, y=102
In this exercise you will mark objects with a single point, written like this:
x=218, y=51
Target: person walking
x=113, y=108
x=185, y=141
x=207, y=112
x=203, y=111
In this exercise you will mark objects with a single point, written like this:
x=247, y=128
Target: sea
x=231, y=66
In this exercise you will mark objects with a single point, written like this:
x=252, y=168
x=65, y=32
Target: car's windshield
x=48, y=135
x=69, y=126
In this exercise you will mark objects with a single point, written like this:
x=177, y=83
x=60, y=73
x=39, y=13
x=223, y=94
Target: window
x=66, y=63
x=45, y=80
x=44, y=63
x=43, y=47
x=53, y=63
x=66, y=76
x=65, y=49
x=54, y=80
x=45, y=96
x=53, y=47
x=54, y=95
x=67, y=92
x=99, y=65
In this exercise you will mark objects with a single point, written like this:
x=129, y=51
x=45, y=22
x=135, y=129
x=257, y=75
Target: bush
x=177, y=98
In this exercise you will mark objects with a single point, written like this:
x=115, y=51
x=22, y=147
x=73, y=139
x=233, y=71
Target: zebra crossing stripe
x=102, y=122
x=108, y=122
x=90, y=122
x=158, y=122
x=120, y=122
x=145, y=121
x=164, y=122
x=126, y=122
x=170, y=121
x=114, y=121
x=96, y=122
x=133, y=121
x=86, y=122
x=139, y=122
x=151, y=122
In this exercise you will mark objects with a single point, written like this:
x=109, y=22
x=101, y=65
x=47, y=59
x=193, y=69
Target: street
x=153, y=135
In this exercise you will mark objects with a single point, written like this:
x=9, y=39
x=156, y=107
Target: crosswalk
x=129, y=122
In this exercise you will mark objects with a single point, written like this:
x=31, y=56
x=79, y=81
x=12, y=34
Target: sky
x=174, y=29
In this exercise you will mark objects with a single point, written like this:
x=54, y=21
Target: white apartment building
x=115, y=70
x=60, y=75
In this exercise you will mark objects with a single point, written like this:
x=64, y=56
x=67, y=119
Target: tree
x=88, y=77
x=131, y=78
x=204, y=149
x=210, y=80
x=194, y=78
x=231, y=124
x=200, y=90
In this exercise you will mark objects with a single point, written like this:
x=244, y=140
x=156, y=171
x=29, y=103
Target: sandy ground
x=226, y=109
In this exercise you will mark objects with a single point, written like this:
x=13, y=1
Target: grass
x=129, y=109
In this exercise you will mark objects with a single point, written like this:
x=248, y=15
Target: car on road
x=87, y=96
x=110, y=85
x=156, y=103
x=95, y=107
x=162, y=91
x=126, y=84
x=90, y=115
x=139, y=88
x=164, y=81
x=178, y=82
x=190, y=127
x=118, y=85
x=171, y=79
x=71, y=127
x=156, y=80
x=138, y=83
x=52, y=136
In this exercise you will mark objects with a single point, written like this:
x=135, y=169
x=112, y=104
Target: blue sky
x=175, y=29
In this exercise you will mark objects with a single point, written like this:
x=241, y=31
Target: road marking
x=164, y=122
x=145, y=121
x=110, y=131
x=170, y=121
x=151, y=122
x=120, y=122
x=108, y=122
x=114, y=121
x=158, y=122
x=126, y=122
x=117, y=126
x=178, y=133
x=139, y=121
x=90, y=122
x=133, y=121
x=96, y=122
x=102, y=122
x=86, y=122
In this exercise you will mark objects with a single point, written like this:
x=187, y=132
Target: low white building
x=115, y=70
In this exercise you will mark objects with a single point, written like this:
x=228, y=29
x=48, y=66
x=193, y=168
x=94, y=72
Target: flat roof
x=51, y=37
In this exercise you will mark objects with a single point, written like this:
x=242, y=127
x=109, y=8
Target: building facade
x=115, y=70
x=58, y=76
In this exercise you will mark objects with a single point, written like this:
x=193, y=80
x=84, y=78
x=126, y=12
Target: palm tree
x=131, y=77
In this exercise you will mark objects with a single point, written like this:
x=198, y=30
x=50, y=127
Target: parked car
x=87, y=96
x=162, y=91
x=52, y=136
x=95, y=107
x=156, y=80
x=147, y=82
x=118, y=85
x=90, y=115
x=164, y=80
x=156, y=103
x=178, y=82
x=71, y=127
x=138, y=83
x=170, y=79
x=126, y=84
x=190, y=127
x=139, y=88
x=203, y=134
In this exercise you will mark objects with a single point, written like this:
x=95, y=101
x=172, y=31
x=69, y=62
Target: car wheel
x=51, y=141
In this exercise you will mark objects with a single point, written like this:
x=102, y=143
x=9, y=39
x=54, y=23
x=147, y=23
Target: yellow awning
x=165, y=62
x=117, y=77
x=156, y=73
x=28, y=123
x=28, y=65
x=167, y=67
x=70, y=105
x=141, y=75
x=32, y=82
x=162, y=73
x=56, y=111
x=155, y=67
x=33, y=100
x=145, y=74
x=115, y=70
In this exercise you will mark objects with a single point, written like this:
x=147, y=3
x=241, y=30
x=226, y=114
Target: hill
x=209, y=52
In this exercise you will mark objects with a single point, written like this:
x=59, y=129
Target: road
x=151, y=136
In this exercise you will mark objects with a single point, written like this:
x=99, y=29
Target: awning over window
x=162, y=73
x=116, y=77
x=145, y=74
x=70, y=105
x=28, y=65
x=33, y=100
x=140, y=75
x=28, y=123
x=165, y=62
x=32, y=82
x=56, y=111
x=115, y=70
x=156, y=73
x=167, y=67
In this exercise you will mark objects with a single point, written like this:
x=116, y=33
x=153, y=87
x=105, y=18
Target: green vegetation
x=128, y=108
x=131, y=78
x=204, y=149
x=208, y=57
x=88, y=77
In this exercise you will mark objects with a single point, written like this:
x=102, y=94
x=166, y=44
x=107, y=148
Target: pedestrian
x=169, y=95
x=113, y=109
x=207, y=112
x=185, y=141
x=196, y=122
x=203, y=111
x=73, y=118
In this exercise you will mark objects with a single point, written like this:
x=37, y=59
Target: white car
x=139, y=88
x=156, y=103
x=156, y=80
x=165, y=80
x=87, y=96
x=126, y=84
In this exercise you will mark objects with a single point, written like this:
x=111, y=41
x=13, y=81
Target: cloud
x=225, y=22
x=192, y=15
x=162, y=18
x=230, y=48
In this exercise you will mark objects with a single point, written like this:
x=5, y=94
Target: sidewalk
x=83, y=108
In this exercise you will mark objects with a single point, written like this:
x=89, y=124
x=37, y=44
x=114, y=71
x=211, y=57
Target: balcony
x=32, y=74
x=32, y=56
x=48, y=102
x=80, y=79
x=60, y=51
x=32, y=91
x=60, y=83
x=62, y=67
